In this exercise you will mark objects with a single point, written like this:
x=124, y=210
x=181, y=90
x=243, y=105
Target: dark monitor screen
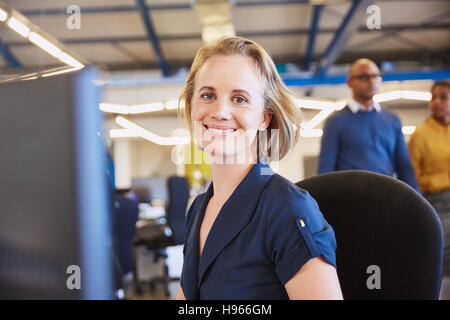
x=54, y=214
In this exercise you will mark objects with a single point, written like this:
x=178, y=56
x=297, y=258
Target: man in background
x=363, y=135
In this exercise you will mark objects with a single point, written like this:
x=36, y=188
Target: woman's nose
x=221, y=111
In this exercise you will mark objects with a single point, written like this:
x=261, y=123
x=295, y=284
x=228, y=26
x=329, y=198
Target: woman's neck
x=226, y=177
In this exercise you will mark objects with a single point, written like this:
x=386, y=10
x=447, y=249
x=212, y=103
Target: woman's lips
x=219, y=131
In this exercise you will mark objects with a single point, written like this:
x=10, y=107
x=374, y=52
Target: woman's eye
x=239, y=100
x=207, y=96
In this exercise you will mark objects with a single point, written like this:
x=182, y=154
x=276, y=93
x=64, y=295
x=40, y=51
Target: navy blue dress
x=264, y=233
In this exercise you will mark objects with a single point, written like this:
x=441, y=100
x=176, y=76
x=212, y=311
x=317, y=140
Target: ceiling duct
x=215, y=17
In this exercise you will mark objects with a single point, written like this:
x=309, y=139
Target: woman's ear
x=267, y=117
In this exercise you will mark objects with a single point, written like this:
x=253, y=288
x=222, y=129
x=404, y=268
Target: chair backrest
x=126, y=214
x=389, y=238
x=178, y=196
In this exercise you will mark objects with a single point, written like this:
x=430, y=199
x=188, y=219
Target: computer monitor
x=55, y=224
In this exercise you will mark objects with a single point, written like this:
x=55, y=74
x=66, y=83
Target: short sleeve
x=296, y=233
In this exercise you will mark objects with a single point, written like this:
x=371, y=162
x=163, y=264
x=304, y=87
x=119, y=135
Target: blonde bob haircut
x=277, y=99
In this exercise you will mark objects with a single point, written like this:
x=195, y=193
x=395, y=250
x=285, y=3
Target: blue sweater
x=371, y=141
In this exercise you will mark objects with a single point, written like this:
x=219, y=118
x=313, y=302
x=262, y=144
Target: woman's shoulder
x=420, y=134
x=286, y=201
x=281, y=188
x=292, y=216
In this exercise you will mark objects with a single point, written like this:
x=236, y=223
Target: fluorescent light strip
x=114, y=108
x=387, y=96
x=311, y=133
x=416, y=95
x=123, y=133
x=41, y=42
x=150, y=135
x=341, y=104
x=402, y=94
x=67, y=59
x=29, y=78
x=18, y=27
x=59, y=72
x=3, y=15
x=314, y=104
x=44, y=44
x=318, y=118
x=173, y=104
x=137, y=108
x=148, y=107
x=408, y=129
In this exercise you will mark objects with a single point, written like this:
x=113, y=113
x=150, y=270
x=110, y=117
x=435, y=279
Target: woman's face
x=440, y=103
x=227, y=106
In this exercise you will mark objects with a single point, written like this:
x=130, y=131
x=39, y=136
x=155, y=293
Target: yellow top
x=429, y=149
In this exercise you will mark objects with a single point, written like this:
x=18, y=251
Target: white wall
x=150, y=160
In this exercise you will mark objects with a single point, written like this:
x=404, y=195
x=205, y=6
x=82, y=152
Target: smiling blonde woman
x=253, y=234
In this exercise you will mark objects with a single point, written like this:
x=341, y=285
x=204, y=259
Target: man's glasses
x=367, y=77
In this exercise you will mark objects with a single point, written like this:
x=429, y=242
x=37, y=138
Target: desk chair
x=158, y=236
x=143, y=193
x=380, y=221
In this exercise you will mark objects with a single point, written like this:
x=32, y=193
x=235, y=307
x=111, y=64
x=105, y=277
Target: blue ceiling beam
x=152, y=37
x=8, y=56
x=392, y=76
x=312, y=36
x=175, y=6
x=349, y=24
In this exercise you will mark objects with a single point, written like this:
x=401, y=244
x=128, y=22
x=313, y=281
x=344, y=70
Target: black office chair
x=157, y=237
x=380, y=221
x=143, y=193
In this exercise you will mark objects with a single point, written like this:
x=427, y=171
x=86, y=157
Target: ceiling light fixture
x=24, y=27
x=148, y=107
x=44, y=44
x=18, y=27
x=408, y=129
x=3, y=15
x=123, y=133
x=173, y=104
x=150, y=136
x=49, y=74
x=114, y=108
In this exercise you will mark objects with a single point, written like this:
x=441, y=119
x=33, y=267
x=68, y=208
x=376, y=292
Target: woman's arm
x=180, y=295
x=316, y=280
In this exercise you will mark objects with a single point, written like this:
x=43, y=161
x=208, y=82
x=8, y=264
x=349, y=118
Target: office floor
x=156, y=294
x=148, y=267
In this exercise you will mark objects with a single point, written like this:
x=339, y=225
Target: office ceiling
x=115, y=34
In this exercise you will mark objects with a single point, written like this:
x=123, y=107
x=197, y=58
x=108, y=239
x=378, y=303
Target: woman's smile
x=219, y=130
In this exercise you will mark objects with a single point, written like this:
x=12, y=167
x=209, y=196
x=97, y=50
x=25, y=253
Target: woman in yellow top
x=429, y=149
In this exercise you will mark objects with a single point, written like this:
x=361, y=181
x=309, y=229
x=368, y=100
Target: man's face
x=440, y=103
x=364, y=79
